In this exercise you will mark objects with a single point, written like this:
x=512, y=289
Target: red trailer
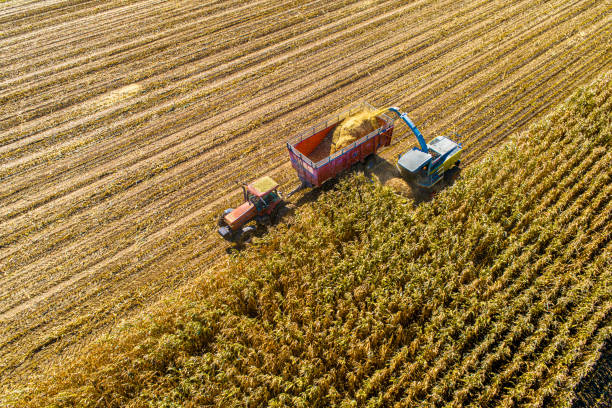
x=305, y=149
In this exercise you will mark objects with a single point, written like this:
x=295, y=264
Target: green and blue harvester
x=426, y=165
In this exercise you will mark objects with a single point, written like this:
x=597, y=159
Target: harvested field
x=124, y=124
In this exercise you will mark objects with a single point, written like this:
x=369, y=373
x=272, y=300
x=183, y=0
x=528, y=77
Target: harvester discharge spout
x=428, y=164
x=415, y=130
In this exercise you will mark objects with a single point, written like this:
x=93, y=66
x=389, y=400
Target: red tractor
x=261, y=203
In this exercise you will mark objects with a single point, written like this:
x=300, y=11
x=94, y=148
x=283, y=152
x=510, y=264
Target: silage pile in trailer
x=353, y=128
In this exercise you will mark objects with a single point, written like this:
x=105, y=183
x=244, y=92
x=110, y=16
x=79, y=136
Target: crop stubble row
x=187, y=40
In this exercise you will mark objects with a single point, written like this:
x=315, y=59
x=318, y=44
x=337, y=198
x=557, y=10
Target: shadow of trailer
x=311, y=155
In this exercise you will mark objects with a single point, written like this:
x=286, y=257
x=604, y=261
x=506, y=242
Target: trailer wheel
x=370, y=161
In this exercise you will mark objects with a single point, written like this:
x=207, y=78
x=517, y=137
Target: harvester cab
x=261, y=202
x=427, y=164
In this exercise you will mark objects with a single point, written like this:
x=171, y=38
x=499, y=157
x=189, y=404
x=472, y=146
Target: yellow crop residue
x=400, y=186
x=264, y=184
x=106, y=100
x=353, y=128
x=117, y=95
x=388, y=175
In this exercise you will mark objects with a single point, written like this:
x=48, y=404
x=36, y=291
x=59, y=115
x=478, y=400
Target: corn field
x=496, y=293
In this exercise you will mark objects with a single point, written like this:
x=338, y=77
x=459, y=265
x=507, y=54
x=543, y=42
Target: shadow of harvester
x=388, y=175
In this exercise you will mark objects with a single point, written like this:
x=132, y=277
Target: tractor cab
x=261, y=193
x=261, y=199
x=425, y=169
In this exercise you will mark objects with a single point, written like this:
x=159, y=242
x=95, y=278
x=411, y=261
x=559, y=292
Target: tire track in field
x=462, y=116
x=149, y=78
x=48, y=32
x=13, y=13
x=214, y=72
x=32, y=63
x=86, y=56
x=115, y=39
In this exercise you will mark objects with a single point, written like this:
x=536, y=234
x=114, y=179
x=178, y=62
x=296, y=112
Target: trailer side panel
x=315, y=174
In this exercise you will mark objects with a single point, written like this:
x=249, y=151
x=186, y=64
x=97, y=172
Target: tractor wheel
x=221, y=221
x=370, y=161
x=264, y=220
x=281, y=211
x=246, y=234
x=277, y=212
x=236, y=237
